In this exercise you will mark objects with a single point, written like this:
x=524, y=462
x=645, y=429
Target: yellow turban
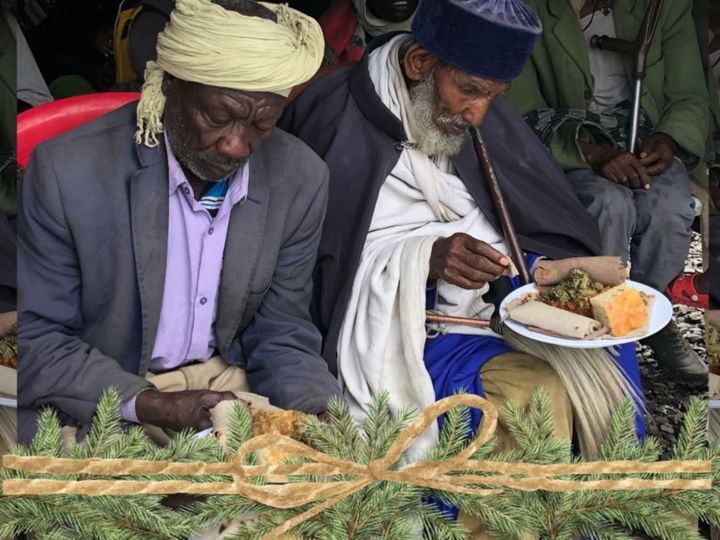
x=207, y=44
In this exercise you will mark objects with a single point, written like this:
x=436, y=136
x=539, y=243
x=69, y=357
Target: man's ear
x=418, y=62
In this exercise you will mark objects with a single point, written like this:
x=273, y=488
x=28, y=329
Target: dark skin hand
x=658, y=151
x=466, y=262
x=616, y=165
x=187, y=409
x=656, y=156
x=179, y=410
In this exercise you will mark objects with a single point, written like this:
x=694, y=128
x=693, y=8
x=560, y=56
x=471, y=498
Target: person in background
x=713, y=161
x=143, y=34
x=578, y=100
x=349, y=25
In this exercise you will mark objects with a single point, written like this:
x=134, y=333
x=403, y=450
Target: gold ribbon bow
x=460, y=474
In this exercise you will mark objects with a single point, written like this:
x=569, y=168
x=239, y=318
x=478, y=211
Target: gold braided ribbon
x=460, y=474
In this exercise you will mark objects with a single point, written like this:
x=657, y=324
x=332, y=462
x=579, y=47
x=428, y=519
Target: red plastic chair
x=50, y=120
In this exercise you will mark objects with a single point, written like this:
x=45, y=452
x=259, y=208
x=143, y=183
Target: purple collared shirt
x=196, y=241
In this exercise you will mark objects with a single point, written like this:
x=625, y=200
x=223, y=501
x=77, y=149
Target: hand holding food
x=467, y=262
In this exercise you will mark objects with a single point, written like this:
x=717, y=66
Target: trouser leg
x=514, y=377
x=661, y=241
x=612, y=205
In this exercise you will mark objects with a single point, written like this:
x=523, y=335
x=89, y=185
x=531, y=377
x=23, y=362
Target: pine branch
x=692, y=439
x=105, y=426
x=621, y=440
x=382, y=510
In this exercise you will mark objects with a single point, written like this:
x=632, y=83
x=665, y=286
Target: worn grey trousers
x=650, y=228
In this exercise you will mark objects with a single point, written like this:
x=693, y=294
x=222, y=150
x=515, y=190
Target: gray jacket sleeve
x=281, y=346
x=56, y=366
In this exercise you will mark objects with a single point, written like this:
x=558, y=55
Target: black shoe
x=676, y=357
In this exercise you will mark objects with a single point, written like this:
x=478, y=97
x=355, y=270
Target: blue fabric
x=214, y=195
x=492, y=39
x=628, y=363
x=454, y=362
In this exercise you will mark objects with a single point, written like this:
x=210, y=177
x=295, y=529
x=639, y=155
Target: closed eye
x=216, y=120
x=475, y=90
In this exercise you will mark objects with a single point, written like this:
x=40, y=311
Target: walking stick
x=638, y=51
x=516, y=252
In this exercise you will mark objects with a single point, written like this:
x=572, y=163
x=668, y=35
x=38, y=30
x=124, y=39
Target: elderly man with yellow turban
x=170, y=244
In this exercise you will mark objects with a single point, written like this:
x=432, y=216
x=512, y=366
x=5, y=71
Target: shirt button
x=211, y=230
x=186, y=190
x=203, y=301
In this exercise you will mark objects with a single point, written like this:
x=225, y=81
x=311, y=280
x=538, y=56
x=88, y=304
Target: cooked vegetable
x=573, y=293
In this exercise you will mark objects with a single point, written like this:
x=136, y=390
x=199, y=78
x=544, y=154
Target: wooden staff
x=498, y=199
x=638, y=50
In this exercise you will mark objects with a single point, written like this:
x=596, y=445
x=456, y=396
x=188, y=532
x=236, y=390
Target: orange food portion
x=621, y=309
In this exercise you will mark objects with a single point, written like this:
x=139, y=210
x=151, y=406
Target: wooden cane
x=503, y=212
x=637, y=49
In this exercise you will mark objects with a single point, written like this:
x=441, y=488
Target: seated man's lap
x=514, y=376
x=669, y=194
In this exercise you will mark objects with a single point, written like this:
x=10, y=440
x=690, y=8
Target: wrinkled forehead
x=204, y=94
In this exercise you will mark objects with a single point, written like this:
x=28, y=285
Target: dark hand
x=617, y=166
x=466, y=262
x=178, y=410
x=658, y=151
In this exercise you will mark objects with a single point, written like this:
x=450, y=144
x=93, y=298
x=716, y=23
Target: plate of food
x=584, y=313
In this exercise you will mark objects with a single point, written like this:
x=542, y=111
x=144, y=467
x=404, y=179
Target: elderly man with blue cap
x=411, y=224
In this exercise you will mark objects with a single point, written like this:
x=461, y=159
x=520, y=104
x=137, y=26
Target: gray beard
x=430, y=140
x=188, y=158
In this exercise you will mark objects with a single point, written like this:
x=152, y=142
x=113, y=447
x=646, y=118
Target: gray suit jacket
x=92, y=248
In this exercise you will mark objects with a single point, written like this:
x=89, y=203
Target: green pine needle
x=382, y=510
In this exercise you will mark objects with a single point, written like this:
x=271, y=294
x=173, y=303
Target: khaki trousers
x=514, y=377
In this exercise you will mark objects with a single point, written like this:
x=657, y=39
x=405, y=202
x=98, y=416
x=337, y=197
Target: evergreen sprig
x=382, y=510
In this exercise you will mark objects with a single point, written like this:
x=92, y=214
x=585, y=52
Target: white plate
x=659, y=318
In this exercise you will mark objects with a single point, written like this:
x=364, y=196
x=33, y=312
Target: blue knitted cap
x=491, y=39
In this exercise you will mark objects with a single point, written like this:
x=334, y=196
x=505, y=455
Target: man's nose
x=475, y=114
x=236, y=144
